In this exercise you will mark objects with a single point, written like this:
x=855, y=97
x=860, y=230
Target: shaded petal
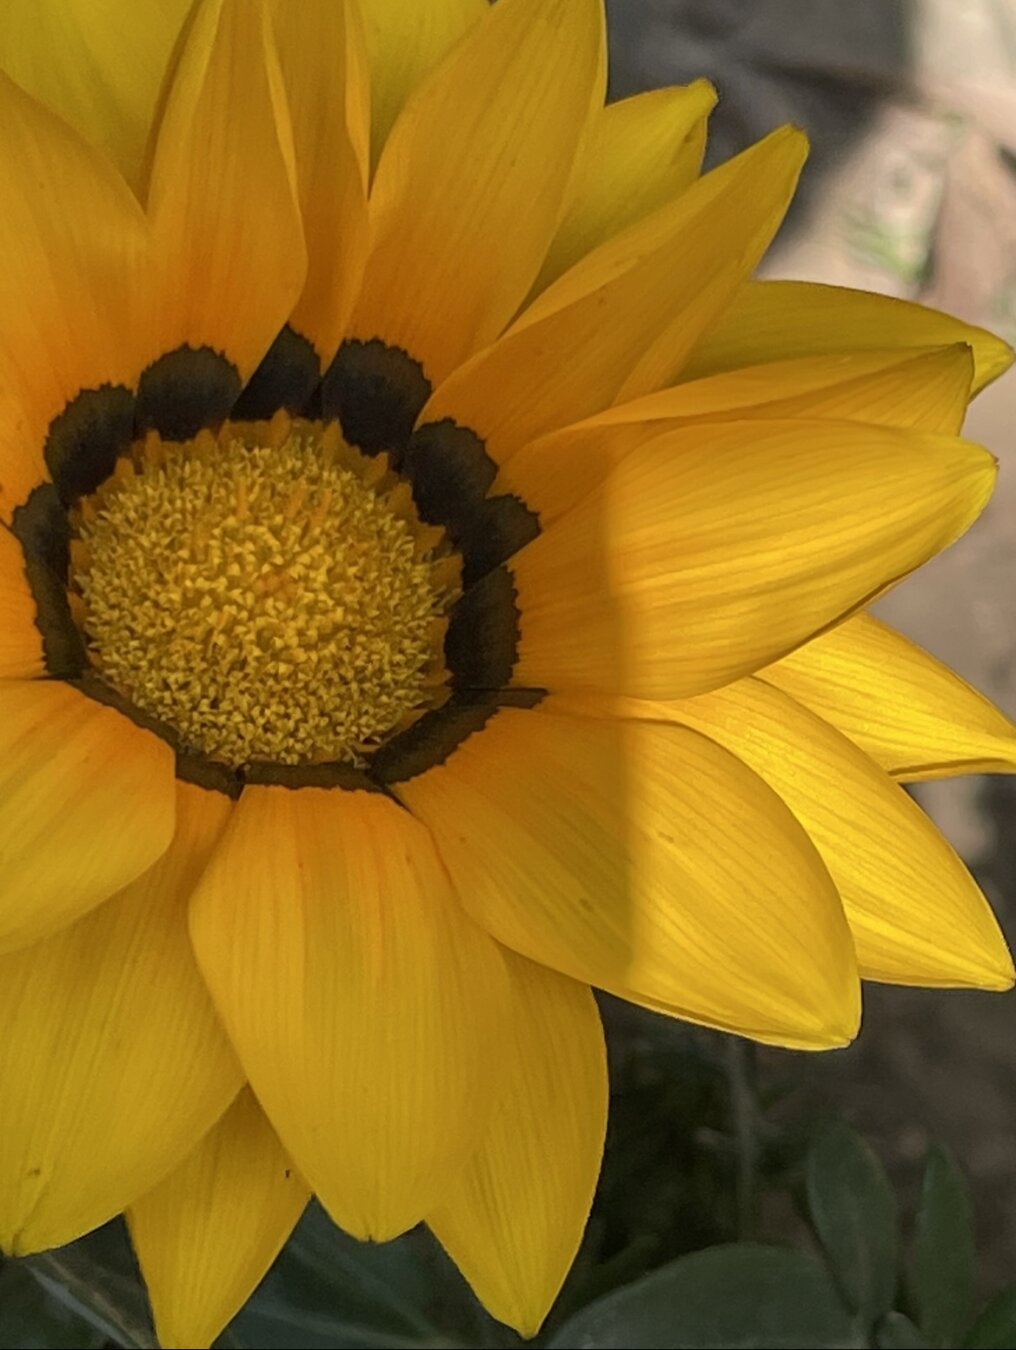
x=623, y=320
x=472, y=181
x=513, y=1220
x=926, y=388
x=711, y=551
x=921, y=389
x=99, y=66
x=642, y=152
x=20, y=641
x=112, y=1060
x=646, y=860
x=323, y=67
x=912, y=714
x=74, y=243
x=223, y=200
x=771, y=320
x=206, y=1235
x=87, y=806
x=364, y=1006
x=915, y=912
x=405, y=43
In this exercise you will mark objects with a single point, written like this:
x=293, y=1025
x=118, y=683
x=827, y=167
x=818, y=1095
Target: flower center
x=267, y=592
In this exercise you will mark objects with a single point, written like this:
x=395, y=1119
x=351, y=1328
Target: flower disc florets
x=268, y=593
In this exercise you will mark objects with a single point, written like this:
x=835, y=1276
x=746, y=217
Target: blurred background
x=910, y=190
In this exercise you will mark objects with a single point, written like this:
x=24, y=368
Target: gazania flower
x=432, y=580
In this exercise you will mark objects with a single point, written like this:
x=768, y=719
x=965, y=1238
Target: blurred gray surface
x=820, y=63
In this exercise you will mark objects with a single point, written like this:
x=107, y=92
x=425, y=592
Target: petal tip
x=528, y=1327
x=829, y=1025
x=375, y=1223
x=385, y=1229
x=525, y=1311
x=839, y=1020
x=708, y=97
x=997, y=973
x=979, y=466
x=796, y=139
x=997, y=356
x=171, y=1338
x=999, y=983
x=841, y=1033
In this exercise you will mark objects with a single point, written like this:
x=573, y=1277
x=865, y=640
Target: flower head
x=432, y=579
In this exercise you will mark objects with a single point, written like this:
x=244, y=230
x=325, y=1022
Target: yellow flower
x=420, y=608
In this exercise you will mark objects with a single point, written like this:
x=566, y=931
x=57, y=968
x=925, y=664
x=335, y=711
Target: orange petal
x=223, y=200
x=206, y=1235
x=323, y=68
x=112, y=1059
x=100, y=66
x=648, y=861
x=87, y=806
x=714, y=549
x=642, y=152
x=622, y=321
x=513, y=1219
x=365, y=1007
x=405, y=44
x=74, y=243
x=20, y=640
x=923, y=389
x=915, y=912
x=772, y=320
x=454, y=250
x=912, y=714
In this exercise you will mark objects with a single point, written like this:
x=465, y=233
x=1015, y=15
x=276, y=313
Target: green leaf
x=327, y=1290
x=854, y=1211
x=736, y=1297
x=995, y=1328
x=896, y=1332
x=97, y=1278
x=32, y=1320
x=944, y=1258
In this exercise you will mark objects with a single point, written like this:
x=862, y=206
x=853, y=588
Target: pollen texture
x=267, y=592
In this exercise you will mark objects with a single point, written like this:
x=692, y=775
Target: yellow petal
x=206, y=1235
x=87, y=806
x=772, y=320
x=222, y=200
x=323, y=69
x=915, y=912
x=648, y=861
x=405, y=43
x=513, y=1220
x=112, y=1060
x=642, y=152
x=364, y=1005
x=20, y=640
x=925, y=390
x=99, y=64
x=472, y=180
x=712, y=550
x=622, y=321
x=913, y=715
x=73, y=240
